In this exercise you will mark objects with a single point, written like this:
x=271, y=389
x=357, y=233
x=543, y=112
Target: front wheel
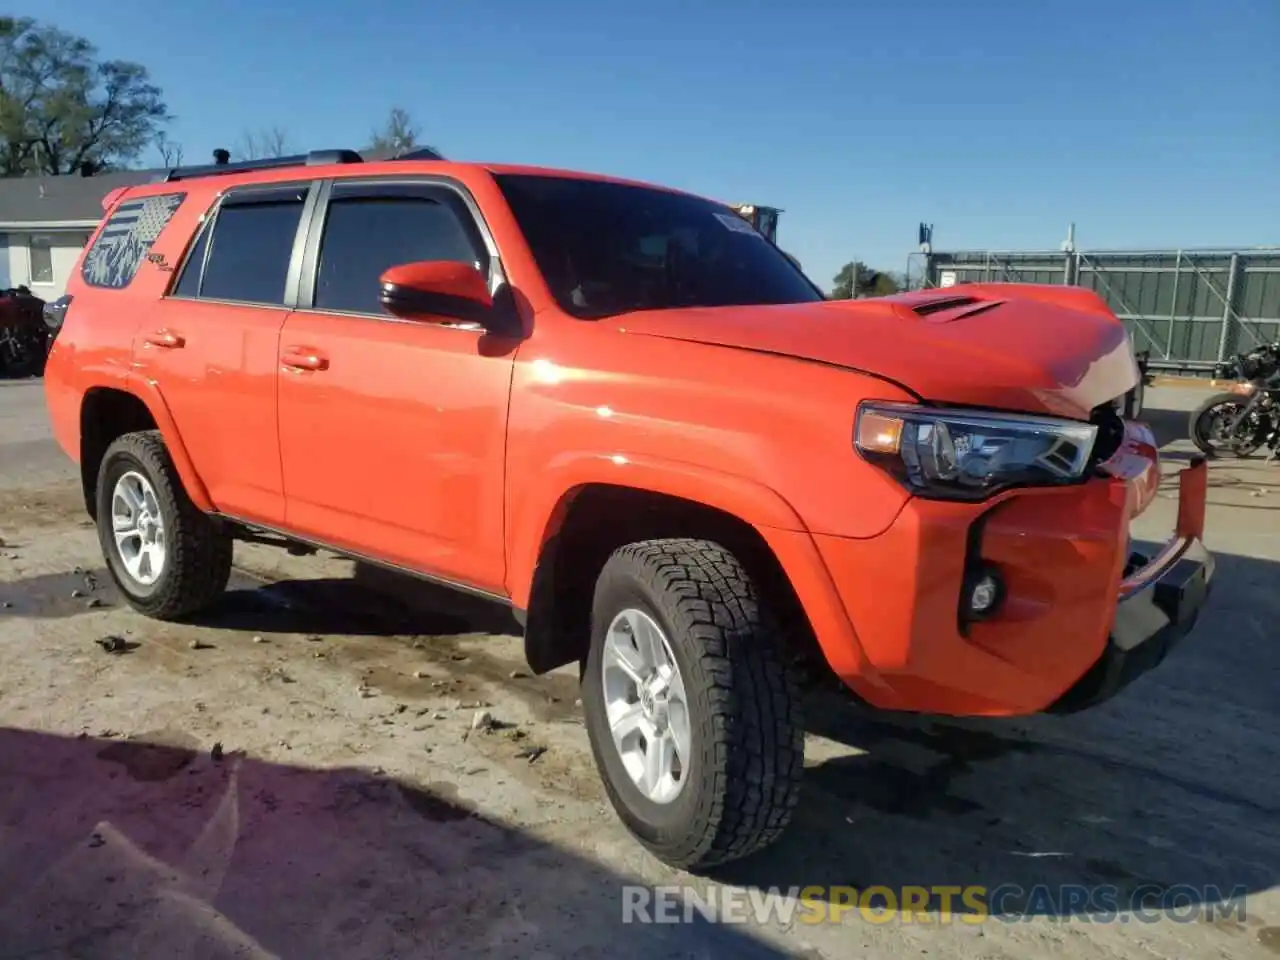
x=1210, y=427
x=168, y=558
x=691, y=709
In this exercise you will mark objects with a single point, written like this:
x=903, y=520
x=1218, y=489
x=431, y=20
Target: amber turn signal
x=878, y=433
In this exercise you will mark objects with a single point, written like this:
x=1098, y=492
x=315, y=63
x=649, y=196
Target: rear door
x=212, y=344
x=393, y=432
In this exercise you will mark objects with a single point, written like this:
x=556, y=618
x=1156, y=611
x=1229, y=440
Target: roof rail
x=313, y=159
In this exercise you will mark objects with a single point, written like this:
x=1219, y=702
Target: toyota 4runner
x=624, y=413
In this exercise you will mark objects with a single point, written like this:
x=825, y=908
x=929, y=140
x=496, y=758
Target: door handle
x=166, y=339
x=302, y=358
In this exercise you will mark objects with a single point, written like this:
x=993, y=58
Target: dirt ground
x=296, y=776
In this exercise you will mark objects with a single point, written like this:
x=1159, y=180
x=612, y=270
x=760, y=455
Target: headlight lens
x=969, y=455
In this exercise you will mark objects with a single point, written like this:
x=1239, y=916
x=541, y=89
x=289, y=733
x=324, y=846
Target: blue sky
x=1148, y=124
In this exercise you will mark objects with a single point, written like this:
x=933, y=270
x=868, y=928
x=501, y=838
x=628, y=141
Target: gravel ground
x=297, y=774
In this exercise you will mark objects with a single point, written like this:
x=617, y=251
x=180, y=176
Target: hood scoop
x=947, y=309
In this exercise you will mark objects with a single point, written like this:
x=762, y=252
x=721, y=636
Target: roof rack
x=313, y=159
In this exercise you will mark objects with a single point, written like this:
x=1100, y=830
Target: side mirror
x=436, y=290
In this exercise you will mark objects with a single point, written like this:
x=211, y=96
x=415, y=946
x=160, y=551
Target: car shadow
x=152, y=847
x=372, y=602
x=1171, y=787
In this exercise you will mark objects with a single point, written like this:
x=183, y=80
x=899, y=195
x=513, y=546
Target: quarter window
x=125, y=239
x=368, y=230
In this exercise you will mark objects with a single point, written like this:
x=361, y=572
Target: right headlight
x=971, y=454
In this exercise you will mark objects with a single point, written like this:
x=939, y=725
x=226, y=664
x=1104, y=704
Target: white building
x=45, y=223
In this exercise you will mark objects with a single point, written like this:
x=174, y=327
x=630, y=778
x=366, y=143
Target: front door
x=393, y=432
x=212, y=346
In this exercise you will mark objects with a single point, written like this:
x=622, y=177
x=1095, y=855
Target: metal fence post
x=1227, y=310
x=1173, y=305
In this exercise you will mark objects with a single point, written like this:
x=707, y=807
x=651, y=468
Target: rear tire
x=740, y=781
x=192, y=564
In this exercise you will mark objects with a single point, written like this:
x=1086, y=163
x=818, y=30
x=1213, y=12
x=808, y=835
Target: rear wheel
x=692, y=713
x=1210, y=427
x=168, y=559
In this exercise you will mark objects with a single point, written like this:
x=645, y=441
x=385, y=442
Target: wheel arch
x=591, y=520
x=107, y=412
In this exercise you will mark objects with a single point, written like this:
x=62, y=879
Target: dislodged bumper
x=1160, y=601
x=1078, y=618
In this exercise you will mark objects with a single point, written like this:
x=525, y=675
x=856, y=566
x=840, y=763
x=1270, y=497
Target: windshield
x=607, y=248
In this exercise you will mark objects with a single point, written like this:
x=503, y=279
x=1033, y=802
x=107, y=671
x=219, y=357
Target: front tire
x=168, y=559
x=1206, y=428
x=687, y=667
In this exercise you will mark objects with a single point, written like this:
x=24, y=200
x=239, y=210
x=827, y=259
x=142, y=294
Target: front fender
x=540, y=510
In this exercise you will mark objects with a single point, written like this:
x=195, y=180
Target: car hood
x=1017, y=347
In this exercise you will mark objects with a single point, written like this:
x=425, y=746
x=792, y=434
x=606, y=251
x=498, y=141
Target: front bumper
x=1160, y=602
x=1077, y=623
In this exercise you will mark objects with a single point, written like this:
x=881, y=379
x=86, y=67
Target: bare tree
x=170, y=152
x=262, y=144
x=398, y=135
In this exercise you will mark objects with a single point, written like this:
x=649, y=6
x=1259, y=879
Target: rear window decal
x=126, y=238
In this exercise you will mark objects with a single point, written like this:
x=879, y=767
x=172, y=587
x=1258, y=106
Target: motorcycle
x=1247, y=416
x=24, y=333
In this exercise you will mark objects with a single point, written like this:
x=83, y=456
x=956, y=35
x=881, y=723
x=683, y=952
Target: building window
x=41, y=259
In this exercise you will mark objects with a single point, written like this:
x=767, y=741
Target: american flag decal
x=126, y=238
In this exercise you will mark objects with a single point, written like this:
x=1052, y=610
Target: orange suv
x=626, y=414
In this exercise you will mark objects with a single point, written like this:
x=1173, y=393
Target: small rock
x=519, y=674
x=459, y=657
x=439, y=716
x=216, y=753
x=6, y=604
x=77, y=570
x=315, y=638
x=530, y=753
x=196, y=645
x=319, y=655
x=200, y=707
x=258, y=640
x=112, y=644
x=401, y=707
x=76, y=594
x=93, y=602
x=364, y=691
x=577, y=703
x=96, y=840
x=420, y=674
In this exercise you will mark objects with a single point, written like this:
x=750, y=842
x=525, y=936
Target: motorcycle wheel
x=1209, y=423
x=21, y=362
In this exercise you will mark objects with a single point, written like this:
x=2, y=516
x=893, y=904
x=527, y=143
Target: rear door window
x=250, y=246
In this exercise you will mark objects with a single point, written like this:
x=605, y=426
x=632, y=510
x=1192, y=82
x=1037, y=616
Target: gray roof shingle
x=67, y=200
x=73, y=200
